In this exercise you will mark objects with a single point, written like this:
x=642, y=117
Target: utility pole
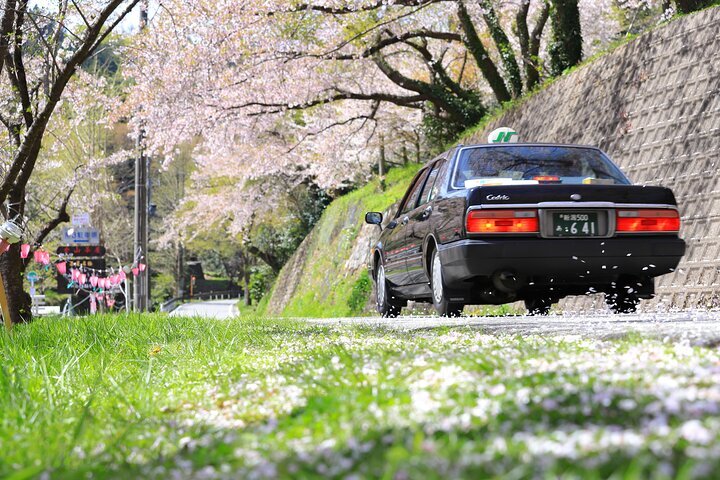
x=142, y=180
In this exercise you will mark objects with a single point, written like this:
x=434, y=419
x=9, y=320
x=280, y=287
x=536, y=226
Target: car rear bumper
x=580, y=261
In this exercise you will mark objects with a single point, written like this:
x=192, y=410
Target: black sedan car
x=497, y=223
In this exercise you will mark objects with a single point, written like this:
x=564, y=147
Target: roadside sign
x=81, y=219
x=80, y=236
x=78, y=251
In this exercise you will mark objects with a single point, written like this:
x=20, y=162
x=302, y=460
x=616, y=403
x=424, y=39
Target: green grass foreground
x=157, y=397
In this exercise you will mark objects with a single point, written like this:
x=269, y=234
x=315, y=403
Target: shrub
x=361, y=290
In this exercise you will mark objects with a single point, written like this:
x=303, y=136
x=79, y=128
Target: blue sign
x=80, y=236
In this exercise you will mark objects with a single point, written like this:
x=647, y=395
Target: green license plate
x=575, y=224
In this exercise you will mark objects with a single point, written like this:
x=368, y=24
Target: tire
x=538, y=305
x=385, y=306
x=622, y=302
x=442, y=305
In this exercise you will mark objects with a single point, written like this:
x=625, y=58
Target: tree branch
x=26, y=156
x=349, y=10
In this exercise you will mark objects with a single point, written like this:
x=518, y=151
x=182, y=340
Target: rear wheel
x=622, y=302
x=385, y=306
x=538, y=305
x=443, y=306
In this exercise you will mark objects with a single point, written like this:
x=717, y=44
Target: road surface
x=220, y=309
x=698, y=327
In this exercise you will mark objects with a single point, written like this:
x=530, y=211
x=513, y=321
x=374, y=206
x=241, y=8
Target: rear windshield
x=530, y=165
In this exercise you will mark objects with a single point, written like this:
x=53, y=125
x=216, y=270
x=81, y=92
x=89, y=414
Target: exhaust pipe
x=507, y=281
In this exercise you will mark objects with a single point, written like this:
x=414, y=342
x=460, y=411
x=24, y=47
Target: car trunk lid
x=489, y=196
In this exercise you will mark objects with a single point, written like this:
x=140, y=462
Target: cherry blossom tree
x=304, y=89
x=41, y=49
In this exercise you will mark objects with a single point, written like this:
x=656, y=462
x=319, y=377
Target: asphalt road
x=220, y=309
x=698, y=327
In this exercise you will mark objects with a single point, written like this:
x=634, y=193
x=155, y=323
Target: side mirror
x=374, y=218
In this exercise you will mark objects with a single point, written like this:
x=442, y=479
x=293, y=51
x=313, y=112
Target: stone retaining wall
x=654, y=106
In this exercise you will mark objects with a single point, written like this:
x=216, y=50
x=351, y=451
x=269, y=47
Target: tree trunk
x=507, y=55
x=12, y=270
x=483, y=60
x=180, y=271
x=566, y=45
x=246, y=279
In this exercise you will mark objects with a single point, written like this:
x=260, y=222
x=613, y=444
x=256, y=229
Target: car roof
x=528, y=144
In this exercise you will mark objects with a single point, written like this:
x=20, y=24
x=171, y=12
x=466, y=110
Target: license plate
x=575, y=224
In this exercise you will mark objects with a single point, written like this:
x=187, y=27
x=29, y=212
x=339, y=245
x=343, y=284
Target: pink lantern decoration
x=45, y=260
x=101, y=283
x=100, y=297
x=142, y=266
x=135, y=271
x=110, y=301
x=4, y=246
x=94, y=281
x=93, y=305
x=116, y=279
x=74, y=274
x=61, y=268
x=122, y=275
x=83, y=279
x=37, y=255
x=24, y=250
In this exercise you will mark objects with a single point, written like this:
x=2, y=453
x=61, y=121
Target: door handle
x=405, y=220
x=427, y=212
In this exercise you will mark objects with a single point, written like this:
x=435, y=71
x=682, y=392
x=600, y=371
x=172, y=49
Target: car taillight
x=547, y=178
x=502, y=221
x=647, y=220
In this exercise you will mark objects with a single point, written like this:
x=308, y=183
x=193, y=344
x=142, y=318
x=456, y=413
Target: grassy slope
x=158, y=397
x=326, y=288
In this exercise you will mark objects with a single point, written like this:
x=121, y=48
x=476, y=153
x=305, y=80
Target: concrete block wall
x=654, y=106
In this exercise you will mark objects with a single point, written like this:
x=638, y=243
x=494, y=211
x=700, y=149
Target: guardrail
x=173, y=303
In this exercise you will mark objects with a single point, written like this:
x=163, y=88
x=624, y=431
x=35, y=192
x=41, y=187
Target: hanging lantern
x=45, y=260
x=142, y=266
x=122, y=275
x=135, y=271
x=61, y=267
x=83, y=279
x=24, y=250
x=94, y=281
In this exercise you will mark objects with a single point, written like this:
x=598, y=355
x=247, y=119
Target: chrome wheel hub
x=381, y=286
x=437, y=279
